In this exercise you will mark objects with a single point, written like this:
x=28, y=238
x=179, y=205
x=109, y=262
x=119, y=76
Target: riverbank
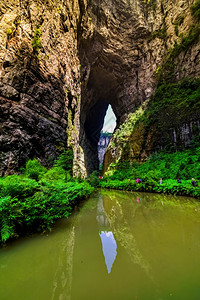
x=33, y=201
x=167, y=187
x=161, y=167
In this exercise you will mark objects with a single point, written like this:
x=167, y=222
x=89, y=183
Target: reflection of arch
x=109, y=245
x=101, y=216
x=121, y=230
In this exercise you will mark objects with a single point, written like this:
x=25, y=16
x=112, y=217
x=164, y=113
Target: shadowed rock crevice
x=92, y=127
x=100, y=91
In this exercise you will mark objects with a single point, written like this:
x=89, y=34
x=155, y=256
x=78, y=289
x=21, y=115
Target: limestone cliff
x=63, y=62
x=39, y=79
x=127, y=48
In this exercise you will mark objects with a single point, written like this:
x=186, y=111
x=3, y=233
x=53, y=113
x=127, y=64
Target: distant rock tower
x=102, y=145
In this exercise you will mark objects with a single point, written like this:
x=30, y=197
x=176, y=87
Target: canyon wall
x=63, y=62
x=39, y=80
x=126, y=50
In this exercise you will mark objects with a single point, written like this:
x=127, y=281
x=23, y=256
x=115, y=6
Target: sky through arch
x=109, y=121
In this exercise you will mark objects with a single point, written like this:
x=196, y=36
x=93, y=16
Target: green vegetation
x=9, y=31
x=151, y=3
x=162, y=34
x=176, y=29
x=106, y=134
x=172, y=105
x=186, y=41
x=195, y=9
x=178, y=101
x=159, y=123
x=126, y=128
x=31, y=202
x=36, y=43
x=168, y=166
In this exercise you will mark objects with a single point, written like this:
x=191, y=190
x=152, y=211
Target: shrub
x=36, y=43
x=93, y=179
x=35, y=209
x=6, y=227
x=56, y=173
x=168, y=166
x=65, y=160
x=34, y=169
x=16, y=186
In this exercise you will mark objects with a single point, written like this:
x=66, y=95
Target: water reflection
x=109, y=247
x=62, y=282
x=150, y=248
x=116, y=215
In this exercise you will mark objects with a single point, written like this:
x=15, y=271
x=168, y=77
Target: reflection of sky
x=109, y=247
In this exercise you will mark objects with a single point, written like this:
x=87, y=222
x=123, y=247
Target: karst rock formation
x=63, y=62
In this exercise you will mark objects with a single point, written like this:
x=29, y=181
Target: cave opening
x=106, y=134
x=101, y=89
x=99, y=125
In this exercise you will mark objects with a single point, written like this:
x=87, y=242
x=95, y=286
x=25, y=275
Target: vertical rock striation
x=63, y=62
x=39, y=79
x=125, y=48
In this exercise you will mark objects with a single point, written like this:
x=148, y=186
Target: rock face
x=102, y=145
x=125, y=48
x=39, y=84
x=63, y=62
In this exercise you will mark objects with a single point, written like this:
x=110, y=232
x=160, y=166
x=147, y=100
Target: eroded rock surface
x=123, y=48
x=92, y=53
x=38, y=85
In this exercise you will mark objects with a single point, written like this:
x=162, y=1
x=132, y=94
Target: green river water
x=116, y=245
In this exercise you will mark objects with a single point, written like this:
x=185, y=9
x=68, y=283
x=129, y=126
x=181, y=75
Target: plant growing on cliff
x=161, y=33
x=36, y=43
x=185, y=43
x=9, y=31
x=195, y=9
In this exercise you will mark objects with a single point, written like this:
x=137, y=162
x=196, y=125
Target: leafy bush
x=56, y=173
x=34, y=169
x=65, y=160
x=93, y=179
x=17, y=186
x=28, y=206
x=7, y=230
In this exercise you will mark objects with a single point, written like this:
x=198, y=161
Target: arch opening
x=99, y=124
x=106, y=134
